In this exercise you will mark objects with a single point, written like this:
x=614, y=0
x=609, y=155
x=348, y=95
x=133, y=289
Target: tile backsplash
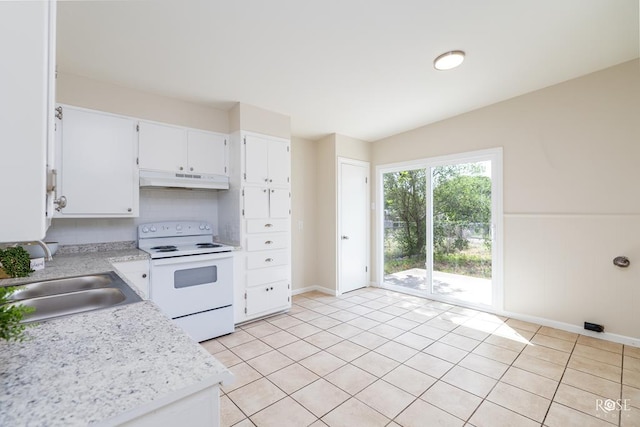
x=156, y=204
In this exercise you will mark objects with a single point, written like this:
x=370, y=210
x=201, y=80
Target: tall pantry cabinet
x=260, y=224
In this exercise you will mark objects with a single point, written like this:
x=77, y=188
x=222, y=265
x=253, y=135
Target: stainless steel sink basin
x=61, y=286
x=72, y=295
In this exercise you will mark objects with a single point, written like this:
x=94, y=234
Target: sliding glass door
x=440, y=223
x=405, y=228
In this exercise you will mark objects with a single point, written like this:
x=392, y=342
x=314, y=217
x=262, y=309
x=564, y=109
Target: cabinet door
x=98, y=173
x=207, y=152
x=279, y=203
x=256, y=202
x=255, y=160
x=137, y=272
x=27, y=31
x=162, y=147
x=279, y=164
x=269, y=298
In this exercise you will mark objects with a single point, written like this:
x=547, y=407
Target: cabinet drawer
x=268, y=298
x=267, y=259
x=267, y=225
x=267, y=242
x=267, y=275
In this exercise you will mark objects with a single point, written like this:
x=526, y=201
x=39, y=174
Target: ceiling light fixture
x=448, y=60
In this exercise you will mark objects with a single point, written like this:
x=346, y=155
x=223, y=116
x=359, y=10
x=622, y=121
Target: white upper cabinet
x=266, y=161
x=27, y=31
x=206, y=152
x=162, y=147
x=173, y=148
x=98, y=175
x=279, y=163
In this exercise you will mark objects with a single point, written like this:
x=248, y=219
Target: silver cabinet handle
x=345, y=237
x=191, y=169
x=268, y=225
x=270, y=180
x=266, y=180
x=181, y=168
x=129, y=209
x=61, y=202
x=144, y=276
x=264, y=191
x=268, y=242
x=268, y=260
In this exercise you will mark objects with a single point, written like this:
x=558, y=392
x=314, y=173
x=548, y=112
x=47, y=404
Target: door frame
x=367, y=165
x=497, y=214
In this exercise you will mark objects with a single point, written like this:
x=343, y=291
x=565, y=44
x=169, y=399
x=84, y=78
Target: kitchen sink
x=72, y=295
x=61, y=286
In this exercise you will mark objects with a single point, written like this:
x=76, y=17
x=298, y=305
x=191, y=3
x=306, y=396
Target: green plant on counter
x=10, y=316
x=15, y=262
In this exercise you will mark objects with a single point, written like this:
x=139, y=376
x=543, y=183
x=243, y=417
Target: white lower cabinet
x=201, y=409
x=137, y=273
x=267, y=298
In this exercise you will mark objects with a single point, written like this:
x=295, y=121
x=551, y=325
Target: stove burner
x=165, y=248
x=208, y=245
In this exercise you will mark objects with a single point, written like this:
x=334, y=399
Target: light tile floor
x=373, y=357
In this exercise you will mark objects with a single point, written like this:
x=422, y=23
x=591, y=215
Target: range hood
x=183, y=180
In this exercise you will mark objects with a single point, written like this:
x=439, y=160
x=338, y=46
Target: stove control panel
x=174, y=228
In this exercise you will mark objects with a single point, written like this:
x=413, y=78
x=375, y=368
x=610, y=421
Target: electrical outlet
x=593, y=327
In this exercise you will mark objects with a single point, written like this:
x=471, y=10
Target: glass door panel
x=405, y=228
x=461, y=232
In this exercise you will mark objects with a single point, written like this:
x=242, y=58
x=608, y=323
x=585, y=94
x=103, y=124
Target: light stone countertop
x=100, y=366
x=76, y=264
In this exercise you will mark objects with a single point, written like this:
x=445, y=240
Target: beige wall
x=571, y=200
x=326, y=212
x=303, y=213
x=352, y=148
x=96, y=95
x=254, y=119
x=328, y=150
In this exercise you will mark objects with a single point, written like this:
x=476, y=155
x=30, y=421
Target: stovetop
x=178, y=238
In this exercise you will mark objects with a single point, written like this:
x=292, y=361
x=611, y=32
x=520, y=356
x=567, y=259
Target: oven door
x=192, y=284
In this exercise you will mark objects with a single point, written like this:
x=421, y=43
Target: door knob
x=61, y=202
x=345, y=237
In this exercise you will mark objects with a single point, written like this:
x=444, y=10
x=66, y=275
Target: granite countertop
x=105, y=366
x=79, y=263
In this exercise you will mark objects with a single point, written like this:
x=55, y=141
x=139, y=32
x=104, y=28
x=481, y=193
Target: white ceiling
x=361, y=68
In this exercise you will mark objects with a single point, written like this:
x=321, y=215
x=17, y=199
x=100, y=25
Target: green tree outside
x=461, y=215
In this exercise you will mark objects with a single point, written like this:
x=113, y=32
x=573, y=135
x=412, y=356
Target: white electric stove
x=191, y=276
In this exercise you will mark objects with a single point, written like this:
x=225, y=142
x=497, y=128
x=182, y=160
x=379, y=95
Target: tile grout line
x=447, y=332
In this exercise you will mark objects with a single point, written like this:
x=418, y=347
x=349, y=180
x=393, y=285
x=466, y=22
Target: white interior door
x=353, y=225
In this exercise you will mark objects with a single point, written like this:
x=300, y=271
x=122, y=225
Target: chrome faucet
x=45, y=248
x=43, y=245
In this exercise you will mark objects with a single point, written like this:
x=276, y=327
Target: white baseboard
x=621, y=339
x=578, y=329
x=313, y=288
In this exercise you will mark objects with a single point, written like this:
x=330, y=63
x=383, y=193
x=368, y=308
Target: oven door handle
x=192, y=258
